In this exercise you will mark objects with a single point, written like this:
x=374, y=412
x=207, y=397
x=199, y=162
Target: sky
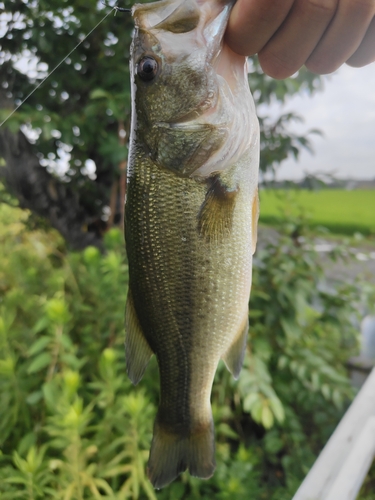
x=345, y=112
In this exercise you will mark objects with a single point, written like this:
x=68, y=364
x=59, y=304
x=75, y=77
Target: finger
x=253, y=22
x=298, y=36
x=365, y=54
x=353, y=19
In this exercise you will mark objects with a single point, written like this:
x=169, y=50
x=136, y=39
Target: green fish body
x=190, y=220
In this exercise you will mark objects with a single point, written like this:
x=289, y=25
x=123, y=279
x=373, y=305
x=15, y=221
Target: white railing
x=342, y=466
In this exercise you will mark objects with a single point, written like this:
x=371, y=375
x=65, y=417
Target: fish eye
x=147, y=68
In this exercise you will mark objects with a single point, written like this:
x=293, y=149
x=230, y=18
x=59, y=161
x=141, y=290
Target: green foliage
x=77, y=113
x=73, y=427
x=82, y=111
x=277, y=142
x=341, y=211
x=304, y=330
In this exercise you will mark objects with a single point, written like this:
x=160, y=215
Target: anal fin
x=234, y=356
x=137, y=350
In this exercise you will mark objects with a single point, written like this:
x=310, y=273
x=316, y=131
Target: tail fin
x=172, y=454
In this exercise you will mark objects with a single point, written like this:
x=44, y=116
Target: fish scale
x=190, y=222
x=179, y=291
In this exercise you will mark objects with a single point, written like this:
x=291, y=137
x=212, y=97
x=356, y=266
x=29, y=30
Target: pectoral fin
x=255, y=217
x=234, y=356
x=216, y=214
x=137, y=350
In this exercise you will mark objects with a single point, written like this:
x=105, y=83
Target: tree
x=63, y=153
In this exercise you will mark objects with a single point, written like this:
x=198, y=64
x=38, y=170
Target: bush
x=73, y=427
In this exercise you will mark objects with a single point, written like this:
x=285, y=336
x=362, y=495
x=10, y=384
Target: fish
x=191, y=214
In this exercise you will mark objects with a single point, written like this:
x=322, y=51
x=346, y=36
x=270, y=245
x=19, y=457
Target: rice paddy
x=341, y=211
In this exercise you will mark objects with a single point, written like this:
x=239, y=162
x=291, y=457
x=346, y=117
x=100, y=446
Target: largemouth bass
x=190, y=220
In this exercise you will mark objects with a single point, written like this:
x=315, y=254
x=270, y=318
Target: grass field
x=340, y=211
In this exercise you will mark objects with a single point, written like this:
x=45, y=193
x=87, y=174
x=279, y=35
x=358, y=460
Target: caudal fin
x=172, y=454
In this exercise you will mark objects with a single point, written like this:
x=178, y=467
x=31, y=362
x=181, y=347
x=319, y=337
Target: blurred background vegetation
x=73, y=427
x=71, y=424
x=64, y=152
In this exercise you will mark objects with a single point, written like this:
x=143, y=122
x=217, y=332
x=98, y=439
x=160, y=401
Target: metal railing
x=343, y=464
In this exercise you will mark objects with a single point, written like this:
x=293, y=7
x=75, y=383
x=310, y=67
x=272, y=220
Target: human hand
x=287, y=34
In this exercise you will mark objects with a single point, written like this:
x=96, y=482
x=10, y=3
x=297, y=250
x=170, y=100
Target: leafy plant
x=73, y=427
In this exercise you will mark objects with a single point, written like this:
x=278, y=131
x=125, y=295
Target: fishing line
x=118, y=9
x=55, y=68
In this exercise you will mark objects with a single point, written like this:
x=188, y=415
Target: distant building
x=357, y=184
